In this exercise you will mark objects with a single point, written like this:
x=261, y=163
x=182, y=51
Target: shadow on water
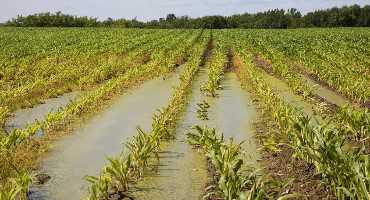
x=84, y=152
x=21, y=118
x=182, y=172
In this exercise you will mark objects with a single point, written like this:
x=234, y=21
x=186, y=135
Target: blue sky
x=153, y=9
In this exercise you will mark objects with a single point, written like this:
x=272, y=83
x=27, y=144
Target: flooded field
x=327, y=94
x=184, y=114
x=234, y=114
x=21, y=118
x=181, y=172
x=84, y=152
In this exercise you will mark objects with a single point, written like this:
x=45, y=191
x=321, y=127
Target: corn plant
x=10, y=193
x=216, y=70
x=17, y=188
x=99, y=187
x=202, y=110
x=144, y=145
x=119, y=170
x=226, y=157
x=4, y=113
x=141, y=149
x=356, y=122
x=320, y=143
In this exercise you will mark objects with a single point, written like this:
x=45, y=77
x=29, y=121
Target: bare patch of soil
x=264, y=64
x=283, y=167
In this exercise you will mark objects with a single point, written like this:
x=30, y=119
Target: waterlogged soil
x=84, y=152
x=21, y=118
x=234, y=114
x=182, y=170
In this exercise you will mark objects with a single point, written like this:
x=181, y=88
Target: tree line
x=346, y=16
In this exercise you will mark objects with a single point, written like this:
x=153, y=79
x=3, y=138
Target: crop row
x=336, y=58
x=216, y=67
x=71, y=71
x=354, y=121
x=320, y=143
x=17, y=71
x=157, y=66
x=129, y=166
x=89, y=101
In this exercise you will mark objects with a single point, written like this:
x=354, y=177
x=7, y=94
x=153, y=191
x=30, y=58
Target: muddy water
x=234, y=115
x=284, y=91
x=287, y=95
x=23, y=117
x=181, y=173
x=84, y=152
x=325, y=93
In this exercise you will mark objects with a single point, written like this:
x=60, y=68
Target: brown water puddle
x=234, y=114
x=84, y=152
x=325, y=93
x=21, y=118
x=182, y=171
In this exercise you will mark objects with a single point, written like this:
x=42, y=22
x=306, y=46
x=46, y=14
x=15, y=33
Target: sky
x=153, y=9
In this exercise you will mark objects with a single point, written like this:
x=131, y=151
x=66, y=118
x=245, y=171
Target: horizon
x=154, y=11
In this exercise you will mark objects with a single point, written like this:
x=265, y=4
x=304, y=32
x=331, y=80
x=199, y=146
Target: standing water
x=84, y=152
x=234, y=115
x=182, y=172
x=286, y=94
x=23, y=117
x=327, y=94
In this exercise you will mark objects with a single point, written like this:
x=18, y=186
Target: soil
x=211, y=187
x=264, y=64
x=283, y=166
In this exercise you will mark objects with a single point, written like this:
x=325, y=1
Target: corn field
x=302, y=136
